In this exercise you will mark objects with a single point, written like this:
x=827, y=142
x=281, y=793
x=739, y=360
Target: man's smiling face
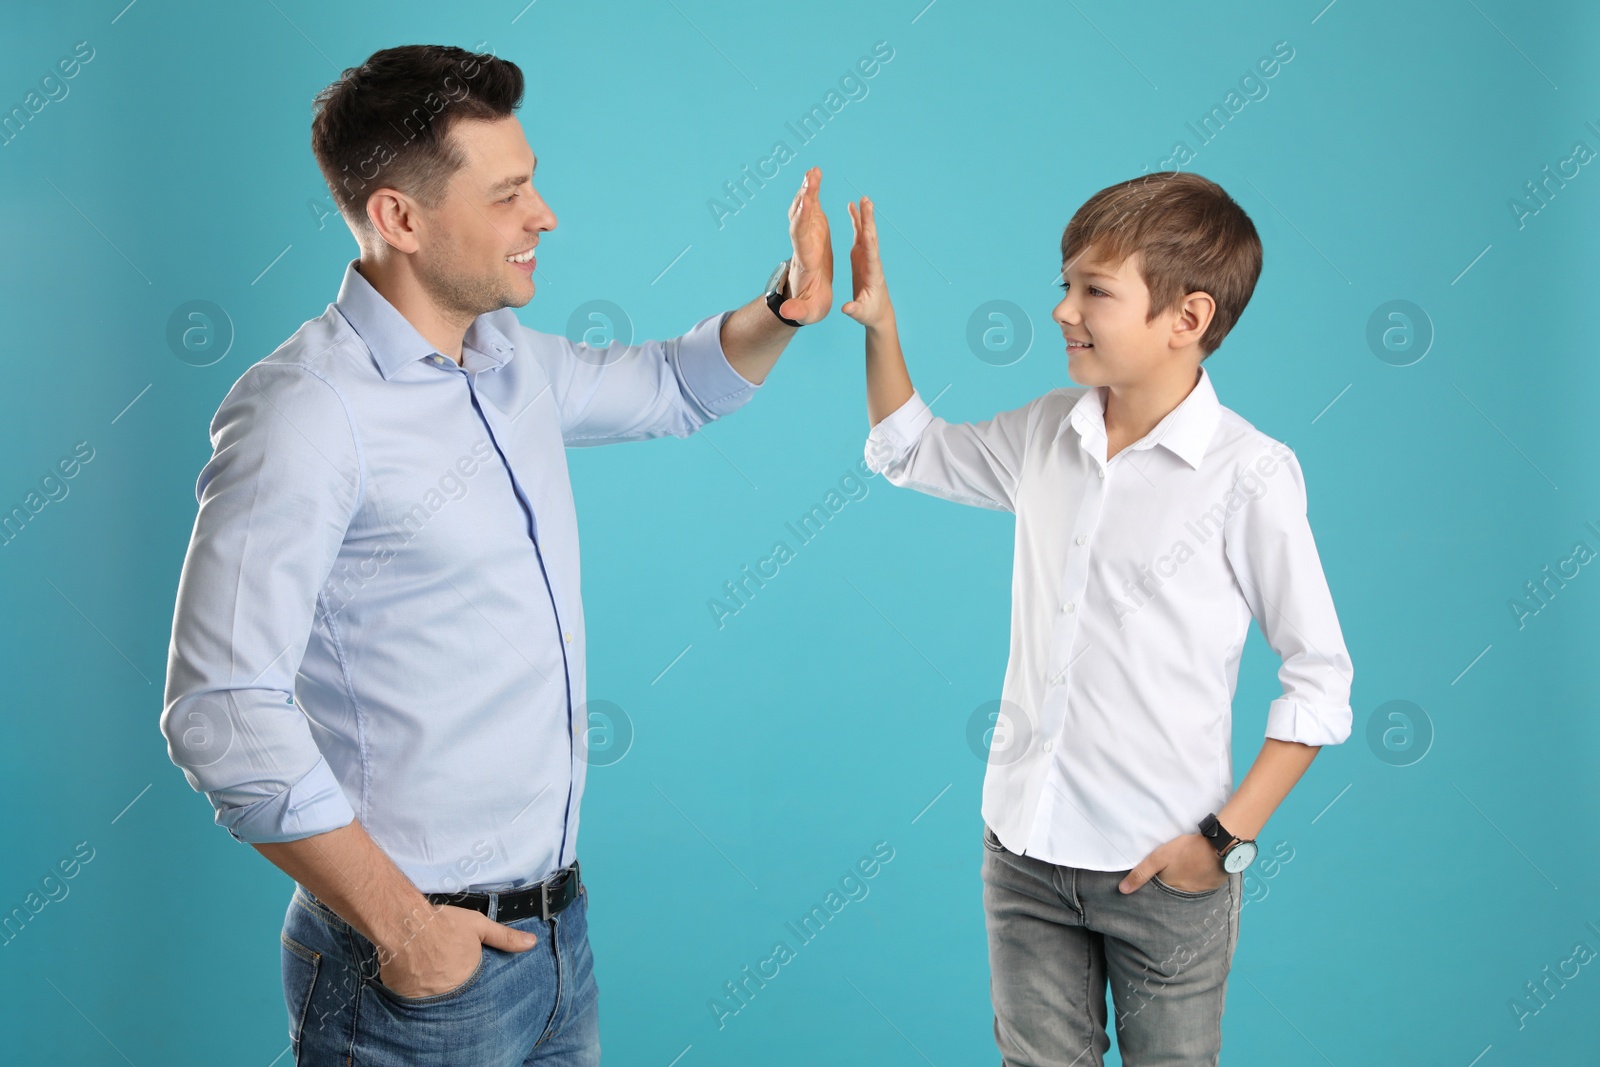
x=1102, y=319
x=476, y=247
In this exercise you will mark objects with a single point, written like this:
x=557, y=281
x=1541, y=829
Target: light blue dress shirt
x=379, y=611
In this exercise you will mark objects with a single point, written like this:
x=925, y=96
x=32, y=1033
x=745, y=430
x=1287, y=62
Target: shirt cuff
x=313, y=805
x=895, y=433
x=1295, y=720
x=706, y=370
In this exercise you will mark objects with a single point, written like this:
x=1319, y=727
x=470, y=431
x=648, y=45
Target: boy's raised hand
x=870, y=304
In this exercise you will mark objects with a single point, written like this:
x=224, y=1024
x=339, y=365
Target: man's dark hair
x=386, y=123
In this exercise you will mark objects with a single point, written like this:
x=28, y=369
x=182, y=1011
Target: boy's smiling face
x=1102, y=318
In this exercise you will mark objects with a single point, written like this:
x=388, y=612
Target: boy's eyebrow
x=1096, y=274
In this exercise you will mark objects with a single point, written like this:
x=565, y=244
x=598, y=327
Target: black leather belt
x=541, y=900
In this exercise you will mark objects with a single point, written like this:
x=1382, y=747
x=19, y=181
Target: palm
x=811, y=269
x=870, y=294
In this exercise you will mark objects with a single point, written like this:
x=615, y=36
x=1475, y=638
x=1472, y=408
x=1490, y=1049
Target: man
x=377, y=663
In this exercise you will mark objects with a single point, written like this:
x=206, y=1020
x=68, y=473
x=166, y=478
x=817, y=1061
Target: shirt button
x=568, y=636
x=1048, y=745
x=1067, y=607
x=1082, y=539
x=1101, y=473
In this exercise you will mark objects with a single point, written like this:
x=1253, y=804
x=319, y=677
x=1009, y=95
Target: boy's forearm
x=346, y=870
x=1276, y=769
x=888, y=382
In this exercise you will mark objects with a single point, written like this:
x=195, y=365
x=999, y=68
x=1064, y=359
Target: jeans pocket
x=436, y=998
x=1186, y=894
x=300, y=967
x=990, y=841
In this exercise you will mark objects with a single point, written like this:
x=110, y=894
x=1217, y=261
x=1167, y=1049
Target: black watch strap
x=777, y=293
x=1212, y=830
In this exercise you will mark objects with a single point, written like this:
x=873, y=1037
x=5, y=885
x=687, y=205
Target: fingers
x=501, y=936
x=1141, y=873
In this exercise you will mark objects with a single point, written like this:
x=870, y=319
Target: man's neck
x=400, y=287
x=1134, y=410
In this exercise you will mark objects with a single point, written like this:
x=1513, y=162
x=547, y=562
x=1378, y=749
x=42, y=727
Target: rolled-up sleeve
x=275, y=500
x=635, y=392
x=1274, y=557
x=976, y=463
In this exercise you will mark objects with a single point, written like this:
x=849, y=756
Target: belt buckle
x=564, y=875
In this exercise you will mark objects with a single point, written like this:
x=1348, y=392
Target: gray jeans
x=1059, y=935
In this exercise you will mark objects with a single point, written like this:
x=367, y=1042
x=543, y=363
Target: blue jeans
x=1058, y=936
x=518, y=1008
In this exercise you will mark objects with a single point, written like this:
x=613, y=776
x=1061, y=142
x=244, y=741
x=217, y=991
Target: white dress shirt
x=1133, y=585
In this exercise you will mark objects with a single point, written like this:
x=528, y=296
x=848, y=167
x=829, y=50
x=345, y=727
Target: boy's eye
x=1099, y=292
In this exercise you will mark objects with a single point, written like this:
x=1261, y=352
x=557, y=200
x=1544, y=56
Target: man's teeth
x=522, y=257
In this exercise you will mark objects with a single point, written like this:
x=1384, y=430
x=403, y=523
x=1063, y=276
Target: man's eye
x=510, y=198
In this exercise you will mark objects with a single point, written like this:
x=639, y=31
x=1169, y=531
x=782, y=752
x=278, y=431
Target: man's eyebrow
x=513, y=182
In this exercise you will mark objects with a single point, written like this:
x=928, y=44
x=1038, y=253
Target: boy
x=1151, y=525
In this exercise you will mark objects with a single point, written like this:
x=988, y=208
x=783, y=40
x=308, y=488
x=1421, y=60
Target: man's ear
x=395, y=219
x=1194, y=313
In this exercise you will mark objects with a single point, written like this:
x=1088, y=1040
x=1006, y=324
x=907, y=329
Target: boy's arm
x=970, y=463
x=1269, y=545
x=1274, y=557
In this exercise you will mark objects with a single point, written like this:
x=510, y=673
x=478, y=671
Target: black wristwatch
x=1235, y=853
x=778, y=292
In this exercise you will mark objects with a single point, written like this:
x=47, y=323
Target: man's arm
x=752, y=337
x=423, y=948
x=275, y=501
x=636, y=392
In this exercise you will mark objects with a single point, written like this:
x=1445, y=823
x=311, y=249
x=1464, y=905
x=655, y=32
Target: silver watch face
x=1239, y=857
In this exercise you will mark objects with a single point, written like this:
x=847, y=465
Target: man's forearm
x=888, y=381
x=1277, y=768
x=347, y=871
x=753, y=339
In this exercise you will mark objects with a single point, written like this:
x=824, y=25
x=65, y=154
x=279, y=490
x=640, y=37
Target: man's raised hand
x=811, y=267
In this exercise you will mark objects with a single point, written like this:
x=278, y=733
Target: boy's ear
x=1194, y=313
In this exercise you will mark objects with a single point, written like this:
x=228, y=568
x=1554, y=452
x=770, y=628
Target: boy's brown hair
x=1191, y=237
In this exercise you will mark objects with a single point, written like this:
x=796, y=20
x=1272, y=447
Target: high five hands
x=811, y=267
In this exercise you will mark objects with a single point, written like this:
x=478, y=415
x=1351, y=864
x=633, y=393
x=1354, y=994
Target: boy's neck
x=1134, y=409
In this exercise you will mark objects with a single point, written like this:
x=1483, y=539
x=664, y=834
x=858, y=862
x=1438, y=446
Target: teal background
x=832, y=712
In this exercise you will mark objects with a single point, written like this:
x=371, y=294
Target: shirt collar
x=395, y=343
x=1185, y=431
